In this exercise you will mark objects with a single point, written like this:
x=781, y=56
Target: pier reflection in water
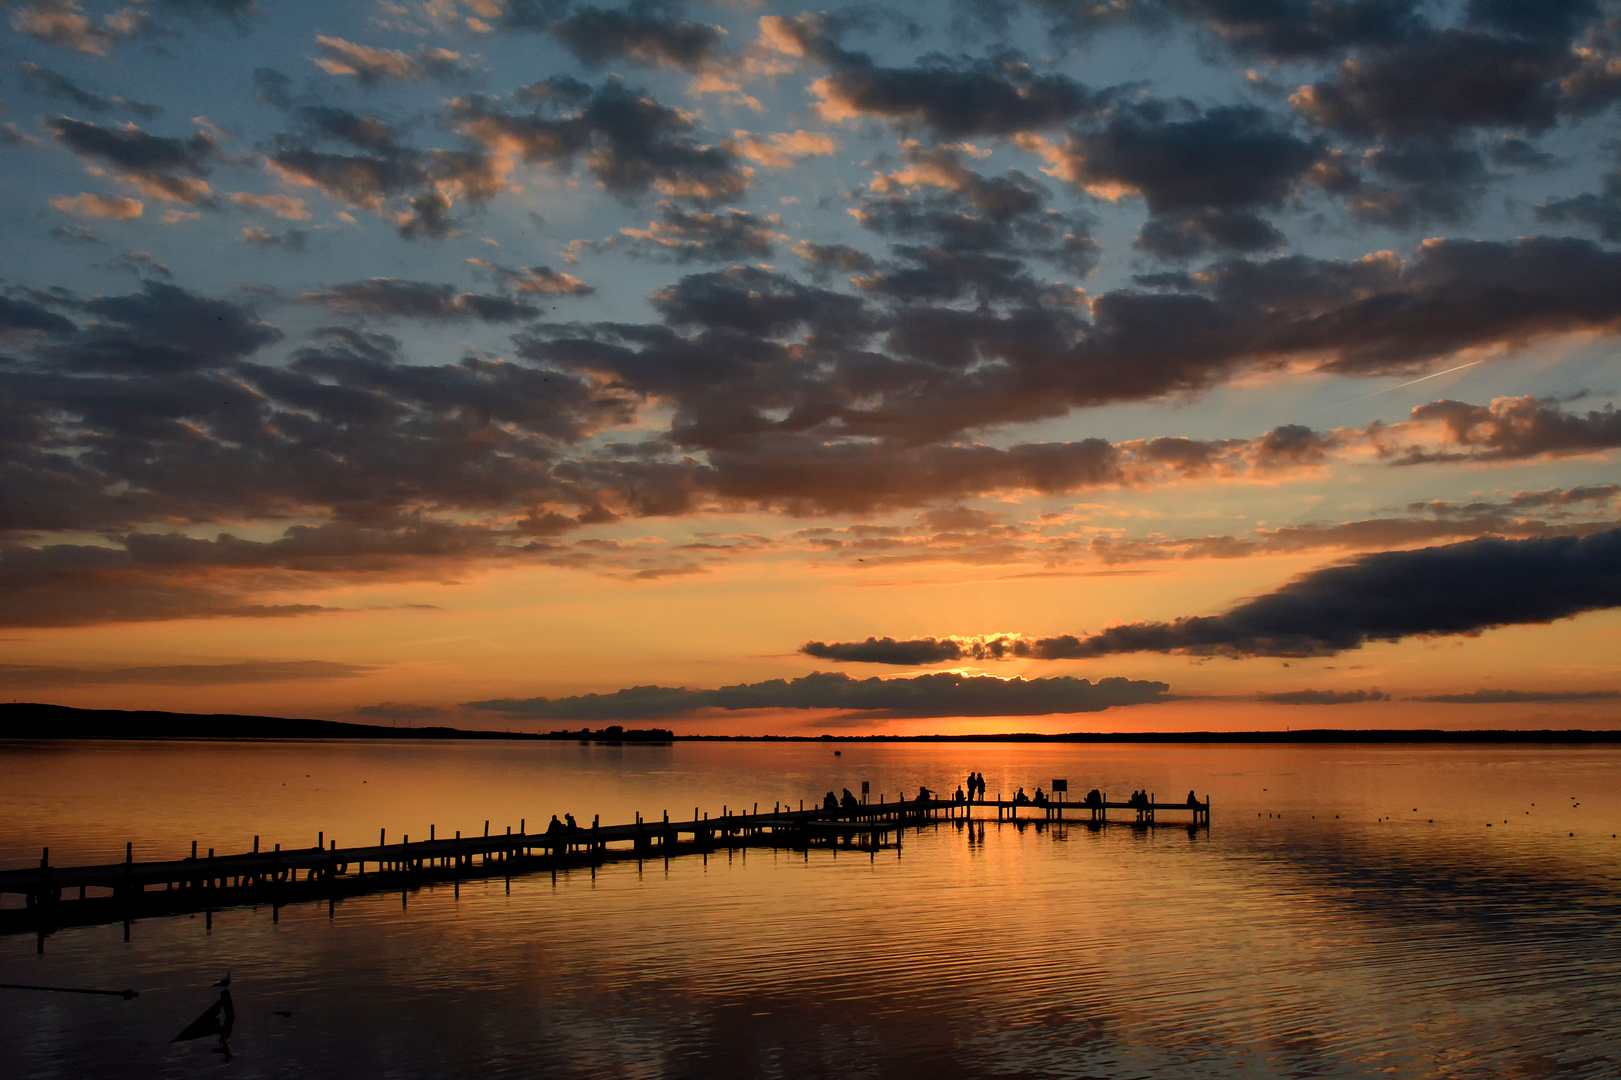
x=1277, y=944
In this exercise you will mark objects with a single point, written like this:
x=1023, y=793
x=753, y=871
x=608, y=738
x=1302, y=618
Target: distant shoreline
x=38, y=722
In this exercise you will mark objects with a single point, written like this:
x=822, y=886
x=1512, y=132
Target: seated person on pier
x=555, y=827
x=959, y=797
x=923, y=794
x=849, y=802
x=1021, y=798
x=830, y=802
x=1040, y=799
x=1094, y=797
x=573, y=826
x=1192, y=799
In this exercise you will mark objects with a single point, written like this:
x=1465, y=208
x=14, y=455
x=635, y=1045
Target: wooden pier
x=59, y=896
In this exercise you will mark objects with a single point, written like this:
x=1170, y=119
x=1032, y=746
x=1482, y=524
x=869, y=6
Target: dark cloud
x=535, y=280
x=833, y=257
x=647, y=32
x=1442, y=81
x=1204, y=175
x=1387, y=596
x=1410, y=182
x=1464, y=588
x=1513, y=152
x=629, y=141
x=1296, y=29
x=1323, y=697
x=161, y=167
x=392, y=710
x=767, y=371
x=27, y=316
x=955, y=97
x=162, y=329
x=372, y=65
x=682, y=235
x=437, y=302
x=287, y=240
x=1599, y=210
x=51, y=83
x=245, y=672
x=953, y=218
x=912, y=652
x=944, y=694
x=412, y=187
x=1519, y=697
x=1555, y=19
x=142, y=263
x=1514, y=428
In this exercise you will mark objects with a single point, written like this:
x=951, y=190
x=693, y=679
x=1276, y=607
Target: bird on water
x=218, y=1019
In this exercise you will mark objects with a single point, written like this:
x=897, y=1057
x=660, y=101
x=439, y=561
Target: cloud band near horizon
x=940, y=694
x=1463, y=588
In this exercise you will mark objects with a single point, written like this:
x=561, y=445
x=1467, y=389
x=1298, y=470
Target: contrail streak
x=1398, y=386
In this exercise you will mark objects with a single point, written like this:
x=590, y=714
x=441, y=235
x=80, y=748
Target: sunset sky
x=982, y=365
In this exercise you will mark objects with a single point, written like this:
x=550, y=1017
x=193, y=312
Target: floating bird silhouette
x=218, y=1019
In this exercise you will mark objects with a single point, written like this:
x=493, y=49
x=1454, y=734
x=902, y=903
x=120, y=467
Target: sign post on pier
x=865, y=787
x=1060, y=787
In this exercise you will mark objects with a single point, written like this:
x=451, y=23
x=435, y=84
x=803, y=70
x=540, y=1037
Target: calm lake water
x=1349, y=913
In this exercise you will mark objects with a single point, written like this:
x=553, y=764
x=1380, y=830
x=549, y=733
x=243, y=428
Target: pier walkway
x=57, y=896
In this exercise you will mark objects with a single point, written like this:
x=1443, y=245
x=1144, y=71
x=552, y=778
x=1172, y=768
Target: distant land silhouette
x=27, y=720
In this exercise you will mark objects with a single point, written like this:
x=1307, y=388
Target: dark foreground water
x=1349, y=913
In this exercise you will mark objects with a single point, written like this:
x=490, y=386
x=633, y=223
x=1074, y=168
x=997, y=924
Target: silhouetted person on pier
x=572, y=825
x=849, y=802
x=830, y=802
x=1193, y=800
x=556, y=827
x=922, y=794
x=1021, y=798
x=1094, y=797
x=218, y=1019
x=959, y=797
x=1040, y=799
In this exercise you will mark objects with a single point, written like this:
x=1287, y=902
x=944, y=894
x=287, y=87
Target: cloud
x=645, y=32
x=1512, y=428
x=163, y=328
x=63, y=23
x=944, y=694
x=231, y=674
x=1518, y=697
x=535, y=280
x=1462, y=588
x=371, y=66
x=1323, y=697
x=289, y=240
x=1440, y=81
x=782, y=149
x=1290, y=29
x=163, y=168
x=107, y=207
x=700, y=236
x=142, y=262
x=283, y=206
x=1601, y=211
x=392, y=710
x=1203, y=174
x=912, y=652
x=51, y=83
x=629, y=141
x=945, y=210
x=27, y=316
x=395, y=298
x=953, y=97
